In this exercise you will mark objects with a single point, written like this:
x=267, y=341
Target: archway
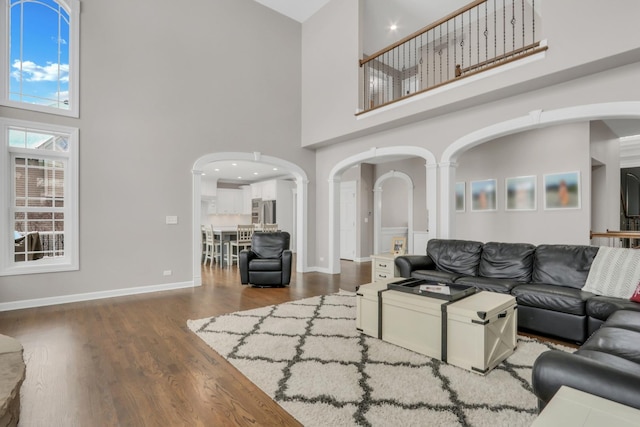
x=534, y=120
x=376, y=153
x=301, y=203
x=377, y=207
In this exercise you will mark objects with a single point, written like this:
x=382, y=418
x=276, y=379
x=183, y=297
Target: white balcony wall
x=584, y=37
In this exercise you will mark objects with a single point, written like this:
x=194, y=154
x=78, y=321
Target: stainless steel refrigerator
x=267, y=212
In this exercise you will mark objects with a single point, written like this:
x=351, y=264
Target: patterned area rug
x=308, y=356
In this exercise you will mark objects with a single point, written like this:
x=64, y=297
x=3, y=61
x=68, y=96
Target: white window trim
x=73, y=7
x=70, y=260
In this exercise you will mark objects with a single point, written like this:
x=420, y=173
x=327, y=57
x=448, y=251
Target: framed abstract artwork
x=562, y=190
x=520, y=193
x=484, y=195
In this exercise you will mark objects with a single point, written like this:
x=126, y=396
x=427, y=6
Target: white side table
x=383, y=267
x=574, y=408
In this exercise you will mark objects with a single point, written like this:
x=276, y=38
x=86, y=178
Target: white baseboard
x=324, y=270
x=64, y=299
x=363, y=259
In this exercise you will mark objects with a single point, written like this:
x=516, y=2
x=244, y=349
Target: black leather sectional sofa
x=546, y=280
x=607, y=365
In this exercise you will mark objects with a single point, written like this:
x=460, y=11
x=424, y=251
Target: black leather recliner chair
x=268, y=262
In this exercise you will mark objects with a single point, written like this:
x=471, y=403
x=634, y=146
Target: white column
x=334, y=225
x=377, y=223
x=447, y=200
x=197, y=233
x=432, y=199
x=301, y=225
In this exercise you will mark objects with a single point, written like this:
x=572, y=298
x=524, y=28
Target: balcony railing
x=480, y=36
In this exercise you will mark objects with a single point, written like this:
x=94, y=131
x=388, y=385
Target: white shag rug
x=308, y=356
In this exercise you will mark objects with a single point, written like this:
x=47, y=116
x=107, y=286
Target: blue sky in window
x=39, y=53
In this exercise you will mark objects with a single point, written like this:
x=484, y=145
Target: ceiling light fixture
x=234, y=164
x=393, y=27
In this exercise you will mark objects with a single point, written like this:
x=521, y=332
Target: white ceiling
x=298, y=10
x=242, y=172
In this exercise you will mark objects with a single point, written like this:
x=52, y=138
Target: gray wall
x=538, y=152
x=163, y=84
x=438, y=133
x=391, y=215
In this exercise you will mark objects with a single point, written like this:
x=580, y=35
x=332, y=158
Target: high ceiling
x=242, y=172
x=379, y=15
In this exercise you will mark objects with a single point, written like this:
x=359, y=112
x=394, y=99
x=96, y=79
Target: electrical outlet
x=171, y=219
x=167, y=273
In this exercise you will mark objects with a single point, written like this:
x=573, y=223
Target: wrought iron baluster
x=513, y=24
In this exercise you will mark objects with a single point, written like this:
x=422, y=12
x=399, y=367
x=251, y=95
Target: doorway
x=301, y=184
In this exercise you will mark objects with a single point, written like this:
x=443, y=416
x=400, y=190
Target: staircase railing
x=477, y=37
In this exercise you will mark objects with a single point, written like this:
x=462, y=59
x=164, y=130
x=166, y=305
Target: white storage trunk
x=481, y=331
x=368, y=306
x=413, y=322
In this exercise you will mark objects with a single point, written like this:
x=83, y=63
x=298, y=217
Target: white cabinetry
x=279, y=190
x=211, y=205
x=246, y=199
x=230, y=201
x=270, y=189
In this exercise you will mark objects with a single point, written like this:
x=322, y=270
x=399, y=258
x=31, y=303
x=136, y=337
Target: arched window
x=39, y=55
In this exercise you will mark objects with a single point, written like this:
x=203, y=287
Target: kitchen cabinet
x=230, y=201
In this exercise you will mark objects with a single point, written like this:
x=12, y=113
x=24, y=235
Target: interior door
x=348, y=220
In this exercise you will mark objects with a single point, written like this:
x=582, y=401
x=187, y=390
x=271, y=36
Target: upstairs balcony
x=478, y=37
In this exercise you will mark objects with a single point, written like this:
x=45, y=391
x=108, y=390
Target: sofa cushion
x=551, y=297
x=563, y=265
x=265, y=264
x=507, y=261
x=618, y=342
x=601, y=307
x=625, y=319
x=435, y=276
x=503, y=286
x=455, y=256
x=270, y=245
x=611, y=360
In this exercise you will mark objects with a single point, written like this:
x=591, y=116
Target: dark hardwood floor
x=132, y=361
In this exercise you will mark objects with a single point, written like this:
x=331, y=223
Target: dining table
x=225, y=233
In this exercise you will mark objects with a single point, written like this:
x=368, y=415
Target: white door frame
x=376, y=153
x=352, y=186
x=302, y=183
x=377, y=208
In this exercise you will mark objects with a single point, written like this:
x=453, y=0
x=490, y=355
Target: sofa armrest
x=408, y=263
x=287, y=261
x=554, y=369
x=244, y=257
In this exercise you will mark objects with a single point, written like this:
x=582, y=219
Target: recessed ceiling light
x=239, y=177
x=275, y=169
x=234, y=164
x=217, y=169
x=393, y=27
x=256, y=173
